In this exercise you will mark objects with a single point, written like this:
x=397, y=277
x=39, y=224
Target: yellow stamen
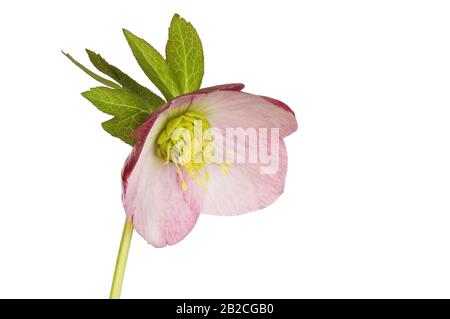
x=180, y=175
x=186, y=142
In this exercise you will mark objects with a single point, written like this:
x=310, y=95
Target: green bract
x=129, y=110
x=94, y=75
x=184, y=54
x=153, y=65
x=124, y=80
x=130, y=102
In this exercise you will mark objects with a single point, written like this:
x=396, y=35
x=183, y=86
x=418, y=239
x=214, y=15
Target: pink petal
x=279, y=104
x=245, y=188
x=223, y=87
x=162, y=212
x=237, y=109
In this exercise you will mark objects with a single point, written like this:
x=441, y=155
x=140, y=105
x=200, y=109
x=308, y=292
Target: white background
x=366, y=211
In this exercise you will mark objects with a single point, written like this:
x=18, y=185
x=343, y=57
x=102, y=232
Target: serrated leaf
x=153, y=65
x=92, y=74
x=128, y=110
x=127, y=82
x=184, y=54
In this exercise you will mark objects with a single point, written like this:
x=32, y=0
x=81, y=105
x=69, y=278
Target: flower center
x=187, y=142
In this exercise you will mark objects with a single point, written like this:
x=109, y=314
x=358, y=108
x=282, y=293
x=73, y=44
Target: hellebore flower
x=215, y=150
x=164, y=191
x=164, y=194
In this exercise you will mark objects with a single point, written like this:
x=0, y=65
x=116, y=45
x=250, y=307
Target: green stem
x=122, y=257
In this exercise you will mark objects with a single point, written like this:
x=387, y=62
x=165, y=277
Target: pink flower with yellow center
x=164, y=194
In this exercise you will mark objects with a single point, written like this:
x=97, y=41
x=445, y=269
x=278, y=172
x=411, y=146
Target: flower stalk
x=122, y=258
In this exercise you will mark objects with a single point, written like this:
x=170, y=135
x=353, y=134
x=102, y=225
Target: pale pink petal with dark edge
x=163, y=214
x=238, y=109
x=245, y=188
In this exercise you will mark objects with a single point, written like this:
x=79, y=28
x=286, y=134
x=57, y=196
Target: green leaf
x=92, y=74
x=184, y=54
x=128, y=83
x=153, y=65
x=129, y=111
